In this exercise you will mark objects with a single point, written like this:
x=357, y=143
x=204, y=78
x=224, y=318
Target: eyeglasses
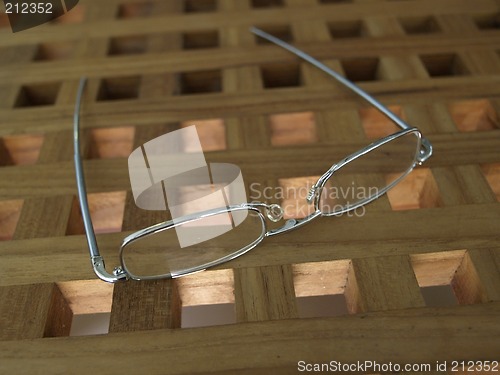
x=155, y=252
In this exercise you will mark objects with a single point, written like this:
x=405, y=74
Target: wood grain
x=33, y=311
x=386, y=283
x=264, y=293
x=434, y=62
x=278, y=345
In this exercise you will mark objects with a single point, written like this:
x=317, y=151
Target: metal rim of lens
x=150, y=231
x=365, y=151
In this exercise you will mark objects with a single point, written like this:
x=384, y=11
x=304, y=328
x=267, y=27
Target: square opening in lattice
x=75, y=221
x=292, y=128
x=278, y=75
x=20, y=149
x=346, y=29
x=87, y=296
x=488, y=22
x=292, y=193
x=267, y=3
x=196, y=6
x=439, y=296
x=200, y=39
x=4, y=20
x=201, y=82
x=128, y=45
x=492, y=174
x=283, y=32
x=119, y=88
x=211, y=132
x=75, y=15
x=417, y=190
x=38, y=94
x=9, y=216
x=208, y=315
x=420, y=25
x=90, y=302
x=55, y=51
x=361, y=69
x=207, y=298
x=376, y=125
x=444, y=65
x=90, y=324
x=452, y=275
x=106, y=210
x=321, y=306
x=319, y=288
x=474, y=115
x=133, y=10
x=109, y=143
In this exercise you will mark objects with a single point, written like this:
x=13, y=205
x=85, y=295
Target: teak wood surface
x=154, y=66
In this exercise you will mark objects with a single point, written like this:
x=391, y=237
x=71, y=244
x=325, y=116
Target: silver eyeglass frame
x=273, y=212
x=171, y=224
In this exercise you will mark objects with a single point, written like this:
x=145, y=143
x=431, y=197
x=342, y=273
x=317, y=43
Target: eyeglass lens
x=370, y=175
x=193, y=244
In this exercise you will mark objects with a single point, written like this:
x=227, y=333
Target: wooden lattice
x=154, y=66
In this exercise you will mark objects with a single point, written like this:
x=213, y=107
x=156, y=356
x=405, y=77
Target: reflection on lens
x=208, y=240
x=370, y=175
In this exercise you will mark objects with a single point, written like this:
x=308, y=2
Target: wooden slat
x=48, y=216
x=487, y=265
x=148, y=304
x=416, y=335
x=111, y=174
x=44, y=217
x=250, y=132
x=33, y=311
x=225, y=105
x=145, y=305
x=386, y=283
x=433, y=230
x=264, y=293
x=54, y=71
x=474, y=185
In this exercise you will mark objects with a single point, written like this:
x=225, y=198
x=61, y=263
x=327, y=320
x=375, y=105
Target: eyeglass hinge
x=100, y=271
x=311, y=195
x=425, y=152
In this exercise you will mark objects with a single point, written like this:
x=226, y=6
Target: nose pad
x=274, y=212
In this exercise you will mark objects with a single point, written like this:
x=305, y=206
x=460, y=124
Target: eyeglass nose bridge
x=292, y=224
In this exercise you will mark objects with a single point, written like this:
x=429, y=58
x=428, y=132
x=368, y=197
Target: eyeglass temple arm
x=95, y=257
x=424, y=154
